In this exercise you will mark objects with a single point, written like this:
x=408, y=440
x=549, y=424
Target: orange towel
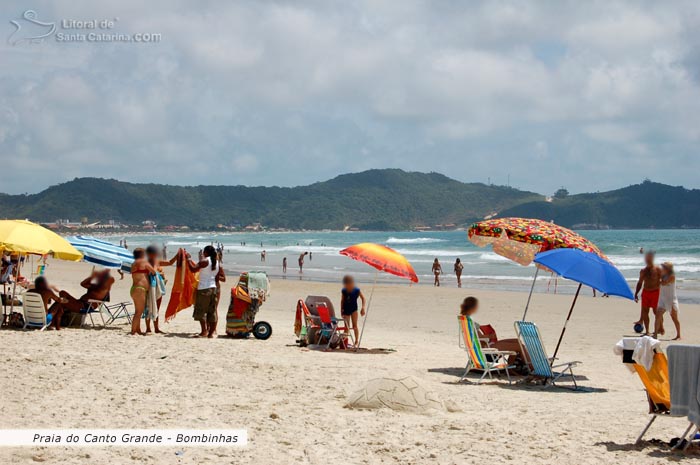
x=182, y=295
x=656, y=380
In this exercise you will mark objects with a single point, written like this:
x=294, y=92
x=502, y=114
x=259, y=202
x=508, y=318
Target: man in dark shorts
x=650, y=284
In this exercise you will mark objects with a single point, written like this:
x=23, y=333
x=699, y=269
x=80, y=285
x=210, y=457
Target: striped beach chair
x=484, y=359
x=542, y=366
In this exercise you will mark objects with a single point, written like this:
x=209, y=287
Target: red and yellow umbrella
x=382, y=258
x=520, y=239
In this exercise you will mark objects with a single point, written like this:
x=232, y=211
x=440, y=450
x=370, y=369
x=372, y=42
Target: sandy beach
x=291, y=399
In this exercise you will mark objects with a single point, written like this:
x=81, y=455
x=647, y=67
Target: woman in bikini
x=140, y=270
x=153, y=257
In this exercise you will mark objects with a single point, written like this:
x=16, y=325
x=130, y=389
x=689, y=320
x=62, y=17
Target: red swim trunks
x=650, y=299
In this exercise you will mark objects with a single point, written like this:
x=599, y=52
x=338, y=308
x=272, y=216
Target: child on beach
x=348, y=304
x=668, y=301
x=437, y=271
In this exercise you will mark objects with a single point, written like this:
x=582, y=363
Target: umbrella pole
x=532, y=288
x=369, y=304
x=563, y=330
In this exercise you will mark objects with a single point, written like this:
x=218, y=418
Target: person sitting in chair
x=98, y=285
x=469, y=307
x=54, y=312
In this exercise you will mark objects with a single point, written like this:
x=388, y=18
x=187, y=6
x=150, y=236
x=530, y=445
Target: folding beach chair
x=116, y=311
x=35, y=312
x=334, y=329
x=542, y=366
x=91, y=308
x=657, y=388
x=478, y=356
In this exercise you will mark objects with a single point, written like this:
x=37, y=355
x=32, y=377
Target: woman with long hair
x=206, y=300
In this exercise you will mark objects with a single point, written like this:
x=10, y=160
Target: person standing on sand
x=205, y=310
x=284, y=265
x=263, y=255
x=437, y=271
x=301, y=262
x=668, y=301
x=140, y=270
x=649, y=283
x=157, y=264
x=458, y=271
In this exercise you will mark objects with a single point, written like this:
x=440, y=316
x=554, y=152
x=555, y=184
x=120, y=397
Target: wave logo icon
x=28, y=29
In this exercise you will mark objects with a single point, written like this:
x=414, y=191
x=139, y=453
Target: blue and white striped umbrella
x=102, y=253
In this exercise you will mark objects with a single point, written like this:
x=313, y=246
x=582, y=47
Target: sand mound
x=401, y=394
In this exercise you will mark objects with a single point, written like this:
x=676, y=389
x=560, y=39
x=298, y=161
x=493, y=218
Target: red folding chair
x=332, y=327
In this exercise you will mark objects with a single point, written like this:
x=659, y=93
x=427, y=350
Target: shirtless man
x=98, y=285
x=649, y=283
x=301, y=261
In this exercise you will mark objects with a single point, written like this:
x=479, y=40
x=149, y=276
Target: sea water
x=482, y=267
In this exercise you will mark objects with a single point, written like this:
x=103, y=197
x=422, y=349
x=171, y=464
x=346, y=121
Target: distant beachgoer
x=348, y=304
x=284, y=265
x=301, y=261
x=437, y=271
x=311, y=256
x=649, y=283
x=263, y=256
x=48, y=295
x=641, y=250
x=157, y=264
x=458, y=271
x=205, y=306
x=126, y=246
x=165, y=252
x=668, y=300
x=140, y=270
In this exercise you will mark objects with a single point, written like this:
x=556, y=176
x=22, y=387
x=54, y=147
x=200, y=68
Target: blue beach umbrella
x=584, y=268
x=102, y=253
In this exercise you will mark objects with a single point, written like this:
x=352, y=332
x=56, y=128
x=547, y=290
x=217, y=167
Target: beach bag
x=16, y=320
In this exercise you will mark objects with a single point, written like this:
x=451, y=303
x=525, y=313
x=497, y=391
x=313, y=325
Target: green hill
x=641, y=206
x=375, y=199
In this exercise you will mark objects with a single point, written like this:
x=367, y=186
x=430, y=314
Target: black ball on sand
x=638, y=328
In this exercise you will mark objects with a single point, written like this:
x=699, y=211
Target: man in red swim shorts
x=649, y=283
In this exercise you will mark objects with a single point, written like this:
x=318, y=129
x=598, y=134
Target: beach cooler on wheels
x=246, y=299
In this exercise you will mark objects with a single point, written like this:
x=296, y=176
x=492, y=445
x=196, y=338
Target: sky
x=590, y=96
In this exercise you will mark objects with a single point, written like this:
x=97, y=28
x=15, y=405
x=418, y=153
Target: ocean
x=482, y=267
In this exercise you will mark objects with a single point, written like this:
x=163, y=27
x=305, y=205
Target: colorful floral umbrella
x=382, y=258
x=520, y=239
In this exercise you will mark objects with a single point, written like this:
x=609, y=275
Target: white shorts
x=664, y=306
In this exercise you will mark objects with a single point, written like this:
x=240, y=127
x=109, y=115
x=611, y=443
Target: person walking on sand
x=668, y=300
x=263, y=255
x=301, y=262
x=649, y=283
x=140, y=270
x=458, y=271
x=437, y=271
x=205, y=310
x=284, y=265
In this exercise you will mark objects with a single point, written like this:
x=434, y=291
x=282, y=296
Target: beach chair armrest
x=493, y=351
x=567, y=364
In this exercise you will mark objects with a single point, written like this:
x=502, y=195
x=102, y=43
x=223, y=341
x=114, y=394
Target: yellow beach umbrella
x=24, y=237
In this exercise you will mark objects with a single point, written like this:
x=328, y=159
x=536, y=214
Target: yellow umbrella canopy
x=24, y=237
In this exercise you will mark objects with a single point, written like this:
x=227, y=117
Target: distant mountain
x=376, y=199
x=641, y=206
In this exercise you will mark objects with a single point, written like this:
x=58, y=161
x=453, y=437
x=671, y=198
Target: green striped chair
x=484, y=359
x=542, y=366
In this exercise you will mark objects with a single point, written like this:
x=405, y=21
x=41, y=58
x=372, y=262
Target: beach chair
x=485, y=359
x=334, y=329
x=91, y=308
x=657, y=388
x=116, y=311
x=35, y=312
x=542, y=366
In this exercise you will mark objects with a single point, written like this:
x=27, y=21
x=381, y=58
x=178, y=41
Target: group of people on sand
x=658, y=295
x=59, y=302
x=437, y=271
x=148, y=267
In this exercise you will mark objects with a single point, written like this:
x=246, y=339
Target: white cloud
x=556, y=93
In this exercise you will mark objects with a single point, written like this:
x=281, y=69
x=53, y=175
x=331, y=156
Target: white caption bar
x=124, y=437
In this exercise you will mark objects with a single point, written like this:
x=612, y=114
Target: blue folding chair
x=542, y=366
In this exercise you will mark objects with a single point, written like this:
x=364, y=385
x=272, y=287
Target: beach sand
x=291, y=400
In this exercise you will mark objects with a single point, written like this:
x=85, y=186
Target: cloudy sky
x=587, y=95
